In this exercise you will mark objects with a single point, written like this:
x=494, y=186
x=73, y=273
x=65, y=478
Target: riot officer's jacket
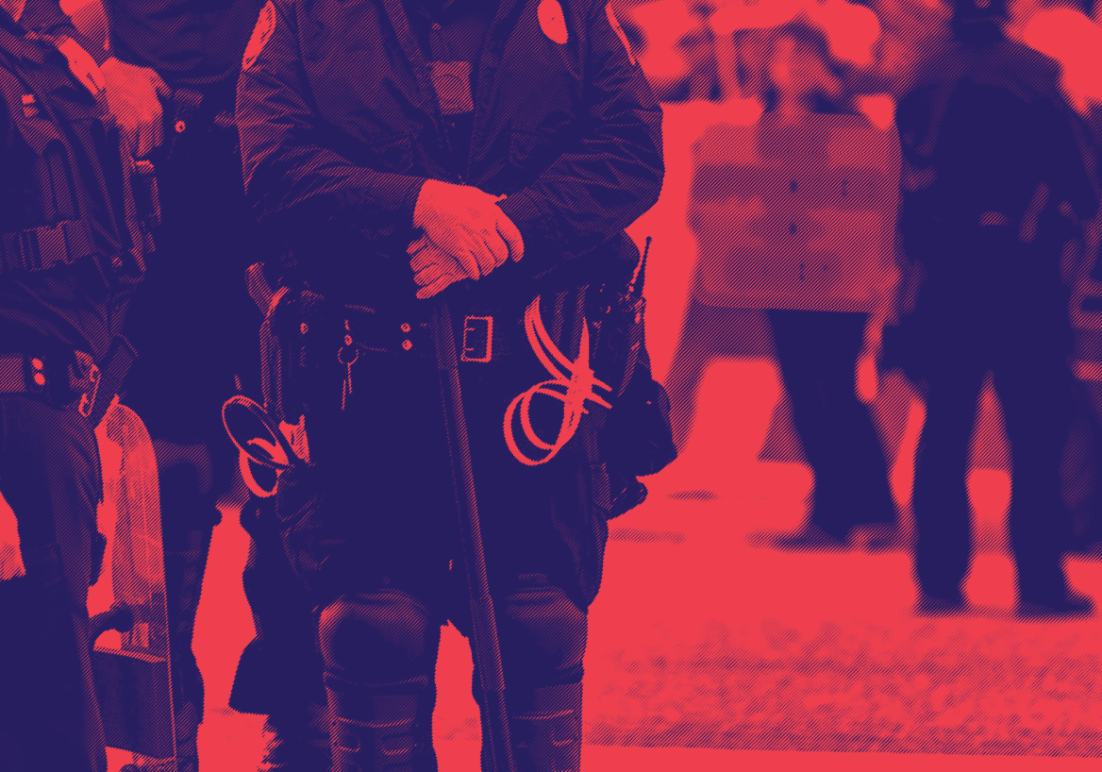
x=340, y=125
x=68, y=258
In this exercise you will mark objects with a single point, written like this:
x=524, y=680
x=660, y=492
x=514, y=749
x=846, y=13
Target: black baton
x=484, y=642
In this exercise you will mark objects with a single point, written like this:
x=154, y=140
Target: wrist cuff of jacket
x=397, y=192
x=526, y=215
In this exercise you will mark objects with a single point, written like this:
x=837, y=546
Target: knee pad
x=543, y=634
x=383, y=637
x=379, y=650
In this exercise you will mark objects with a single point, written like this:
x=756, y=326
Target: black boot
x=374, y=731
x=297, y=740
x=185, y=560
x=546, y=728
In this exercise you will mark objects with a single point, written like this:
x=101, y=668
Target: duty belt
x=484, y=335
x=22, y=374
x=44, y=376
x=64, y=380
x=368, y=330
x=38, y=249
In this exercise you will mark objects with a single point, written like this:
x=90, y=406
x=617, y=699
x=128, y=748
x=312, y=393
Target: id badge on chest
x=452, y=81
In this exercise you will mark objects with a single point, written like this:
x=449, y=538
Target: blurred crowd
x=716, y=50
x=995, y=109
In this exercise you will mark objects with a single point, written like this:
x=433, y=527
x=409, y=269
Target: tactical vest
x=64, y=198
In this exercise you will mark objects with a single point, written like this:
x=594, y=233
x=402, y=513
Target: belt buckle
x=478, y=339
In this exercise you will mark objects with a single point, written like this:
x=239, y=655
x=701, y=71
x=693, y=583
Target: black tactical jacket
x=62, y=190
x=985, y=126
x=340, y=126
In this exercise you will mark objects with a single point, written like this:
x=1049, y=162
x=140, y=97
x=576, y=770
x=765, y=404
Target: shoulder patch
x=552, y=21
x=262, y=33
x=619, y=32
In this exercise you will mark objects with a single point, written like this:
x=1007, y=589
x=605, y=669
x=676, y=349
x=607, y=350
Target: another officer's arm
x=133, y=92
x=612, y=174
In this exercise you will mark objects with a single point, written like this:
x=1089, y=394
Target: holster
x=97, y=396
x=309, y=339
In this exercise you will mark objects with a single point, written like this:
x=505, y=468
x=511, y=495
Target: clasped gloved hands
x=465, y=236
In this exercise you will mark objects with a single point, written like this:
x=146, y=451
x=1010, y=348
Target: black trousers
x=817, y=352
x=1033, y=384
x=50, y=476
x=1009, y=321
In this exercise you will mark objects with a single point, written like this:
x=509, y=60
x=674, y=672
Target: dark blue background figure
x=994, y=177
x=403, y=149
x=69, y=259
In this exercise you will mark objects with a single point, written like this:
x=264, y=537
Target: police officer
x=69, y=258
x=170, y=73
x=490, y=153
x=993, y=178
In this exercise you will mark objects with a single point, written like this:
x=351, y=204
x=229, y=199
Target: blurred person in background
x=1064, y=31
x=817, y=350
x=698, y=75
x=911, y=31
x=994, y=180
